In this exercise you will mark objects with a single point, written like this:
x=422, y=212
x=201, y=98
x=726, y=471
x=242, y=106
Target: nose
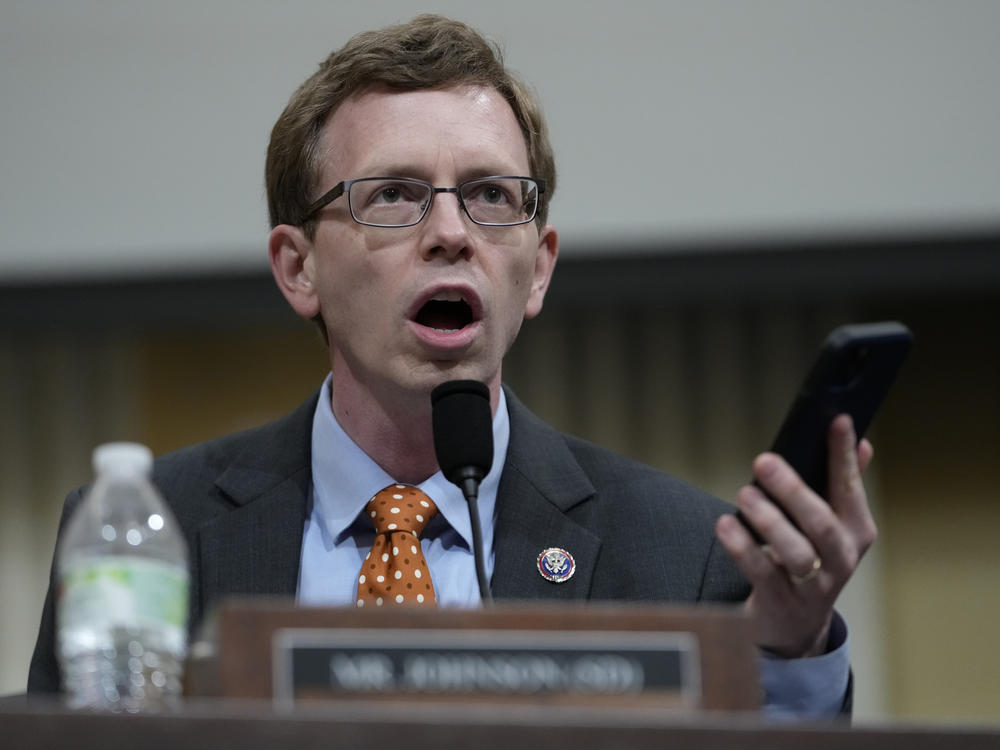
x=446, y=228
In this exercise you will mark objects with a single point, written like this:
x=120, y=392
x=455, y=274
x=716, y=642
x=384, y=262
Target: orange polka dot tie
x=395, y=571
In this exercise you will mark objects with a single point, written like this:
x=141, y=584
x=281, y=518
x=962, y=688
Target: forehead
x=434, y=134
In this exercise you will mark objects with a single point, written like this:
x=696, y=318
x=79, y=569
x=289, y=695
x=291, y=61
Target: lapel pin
x=556, y=565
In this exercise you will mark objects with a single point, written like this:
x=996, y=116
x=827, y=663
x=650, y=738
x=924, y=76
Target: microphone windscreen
x=463, y=428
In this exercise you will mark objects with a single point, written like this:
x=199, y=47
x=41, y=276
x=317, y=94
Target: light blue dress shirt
x=338, y=535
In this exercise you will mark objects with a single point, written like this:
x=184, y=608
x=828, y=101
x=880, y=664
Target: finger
x=866, y=451
x=789, y=492
x=817, y=521
x=751, y=559
x=846, y=490
x=785, y=544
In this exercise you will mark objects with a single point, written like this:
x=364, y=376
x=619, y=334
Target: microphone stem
x=470, y=488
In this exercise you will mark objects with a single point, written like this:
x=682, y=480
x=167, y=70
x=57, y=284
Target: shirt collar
x=345, y=478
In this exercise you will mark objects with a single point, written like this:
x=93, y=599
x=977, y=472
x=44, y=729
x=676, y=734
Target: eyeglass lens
x=389, y=202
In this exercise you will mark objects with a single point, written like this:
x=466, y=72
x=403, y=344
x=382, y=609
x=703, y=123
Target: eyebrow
x=465, y=174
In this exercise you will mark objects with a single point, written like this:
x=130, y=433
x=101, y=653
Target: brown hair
x=428, y=52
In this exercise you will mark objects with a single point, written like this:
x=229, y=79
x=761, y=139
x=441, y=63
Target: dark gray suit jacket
x=636, y=534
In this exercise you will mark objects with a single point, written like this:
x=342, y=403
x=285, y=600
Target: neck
x=395, y=430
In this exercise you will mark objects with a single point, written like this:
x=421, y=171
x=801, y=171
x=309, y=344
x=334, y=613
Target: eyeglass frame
x=344, y=187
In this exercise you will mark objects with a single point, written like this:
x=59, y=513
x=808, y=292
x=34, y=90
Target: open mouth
x=446, y=313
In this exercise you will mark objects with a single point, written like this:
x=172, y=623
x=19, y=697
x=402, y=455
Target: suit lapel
x=256, y=547
x=541, y=483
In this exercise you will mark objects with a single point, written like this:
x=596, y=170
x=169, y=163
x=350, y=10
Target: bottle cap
x=133, y=459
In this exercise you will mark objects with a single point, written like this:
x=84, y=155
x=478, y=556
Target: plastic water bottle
x=123, y=591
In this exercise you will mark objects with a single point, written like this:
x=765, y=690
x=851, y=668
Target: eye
x=493, y=194
x=388, y=194
x=396, y=192
x=490, y=193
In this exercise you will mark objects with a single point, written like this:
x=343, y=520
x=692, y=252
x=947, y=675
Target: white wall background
x=132, y=132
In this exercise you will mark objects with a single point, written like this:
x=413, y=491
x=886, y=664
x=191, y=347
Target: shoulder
x=541, y=450
x=632, y=500
x=645, y=484
x=250, y=460
x=270, y=438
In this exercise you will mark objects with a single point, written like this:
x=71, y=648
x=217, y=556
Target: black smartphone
x=852, y=375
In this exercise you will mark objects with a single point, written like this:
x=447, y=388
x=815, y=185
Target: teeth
x=448, y=296
x=446, y=330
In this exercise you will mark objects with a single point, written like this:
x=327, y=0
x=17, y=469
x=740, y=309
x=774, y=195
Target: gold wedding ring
x=809, y=575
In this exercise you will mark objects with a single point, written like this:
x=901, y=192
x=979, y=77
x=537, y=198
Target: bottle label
x=126, y=591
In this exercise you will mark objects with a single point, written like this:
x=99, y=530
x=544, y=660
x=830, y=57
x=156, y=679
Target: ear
x=292, y=267
x=545, y=264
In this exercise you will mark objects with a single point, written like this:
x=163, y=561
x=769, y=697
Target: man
x=408, y=186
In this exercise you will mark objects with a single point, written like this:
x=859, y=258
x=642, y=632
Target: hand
x=798, y=574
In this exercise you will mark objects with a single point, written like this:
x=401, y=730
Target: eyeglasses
x=404, y=202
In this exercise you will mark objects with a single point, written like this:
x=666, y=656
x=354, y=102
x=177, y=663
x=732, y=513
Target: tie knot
x=400, y=507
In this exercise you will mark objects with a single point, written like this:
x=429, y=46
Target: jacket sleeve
x=43, y=673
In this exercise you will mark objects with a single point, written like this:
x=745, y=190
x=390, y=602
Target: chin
x=460, y=371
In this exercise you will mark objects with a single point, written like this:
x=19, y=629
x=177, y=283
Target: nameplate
x=323, y=663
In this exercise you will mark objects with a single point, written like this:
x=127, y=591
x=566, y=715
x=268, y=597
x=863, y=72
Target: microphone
x=463, y=442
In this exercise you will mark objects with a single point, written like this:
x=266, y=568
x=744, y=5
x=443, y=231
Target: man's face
x=409, y=308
